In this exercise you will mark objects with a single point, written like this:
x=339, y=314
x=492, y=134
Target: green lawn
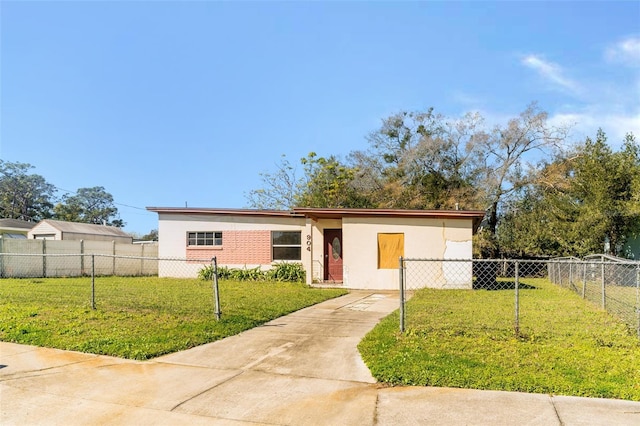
x=140, y=318
x=463, y=338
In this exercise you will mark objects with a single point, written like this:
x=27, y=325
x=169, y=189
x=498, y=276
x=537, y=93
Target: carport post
x=216, y=292
x=401, y=276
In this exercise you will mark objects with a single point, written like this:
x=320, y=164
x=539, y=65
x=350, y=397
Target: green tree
x=579, y=203
x=89, y=205
x=603, y=189
x=328, y=183
x=151, y=236
x=325, y=182
x=22, y=195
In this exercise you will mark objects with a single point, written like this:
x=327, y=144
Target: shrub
x=282, y=272
x=206, y=273
x=287, y=272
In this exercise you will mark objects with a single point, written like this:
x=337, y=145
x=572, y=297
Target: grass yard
x=462, y=338
x=140, y=318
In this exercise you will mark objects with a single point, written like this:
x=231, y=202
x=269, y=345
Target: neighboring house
x=359, y=248
x=15, y=228
x=49, y=229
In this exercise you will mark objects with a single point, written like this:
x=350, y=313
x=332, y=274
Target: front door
x=333, y=255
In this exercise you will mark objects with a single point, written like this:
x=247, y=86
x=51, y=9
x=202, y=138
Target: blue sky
x=169, y=102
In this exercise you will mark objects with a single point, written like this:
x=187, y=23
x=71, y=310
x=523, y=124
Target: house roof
x=86, y=228
x=16, y=224
x=323, y=213
x=223, y=212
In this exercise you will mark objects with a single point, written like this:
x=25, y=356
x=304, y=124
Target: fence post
x=638, y=297
x=1, y=257
x=571, y=274
x=216, y=293
x=604, y=303
x=142, y=260
x=560, y=272
x=584, y=280
x=44, y=258
x=82, y=272
x=401, y=279
x=517, y=287
x=93, y=281
x=113, y=252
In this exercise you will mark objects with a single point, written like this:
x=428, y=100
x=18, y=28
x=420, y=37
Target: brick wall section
x=238, y=248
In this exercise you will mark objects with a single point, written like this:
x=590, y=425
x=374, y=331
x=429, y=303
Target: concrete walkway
x=302, y=369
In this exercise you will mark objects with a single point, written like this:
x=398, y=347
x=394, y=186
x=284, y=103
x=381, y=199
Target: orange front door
x=333, y=255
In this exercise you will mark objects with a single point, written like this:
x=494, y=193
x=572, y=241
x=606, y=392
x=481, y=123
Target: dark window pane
x=286, y=238
x=287, y=253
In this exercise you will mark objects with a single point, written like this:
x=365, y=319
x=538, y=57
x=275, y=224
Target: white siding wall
x=43, y=228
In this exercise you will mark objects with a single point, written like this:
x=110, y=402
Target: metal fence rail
x=614, y=286
x=110, y=283
x=39, y=265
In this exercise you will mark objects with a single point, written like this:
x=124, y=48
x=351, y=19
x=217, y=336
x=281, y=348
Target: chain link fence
x=517, y=291
x=608, y=282
x=109, y=283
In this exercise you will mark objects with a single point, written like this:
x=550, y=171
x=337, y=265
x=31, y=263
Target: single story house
x=50, y=229
x=359, y=248
x=15, y=228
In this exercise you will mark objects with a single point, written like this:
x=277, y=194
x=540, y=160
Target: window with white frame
x=197, y=239
x=286, y=245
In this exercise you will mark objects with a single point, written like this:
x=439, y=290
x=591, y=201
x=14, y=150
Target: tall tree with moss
x=422, y=160
x=24, y=195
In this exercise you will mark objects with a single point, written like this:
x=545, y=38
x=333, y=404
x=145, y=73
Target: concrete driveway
x=300, y=369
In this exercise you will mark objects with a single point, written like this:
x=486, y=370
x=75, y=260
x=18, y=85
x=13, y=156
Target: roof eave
x=222, y=212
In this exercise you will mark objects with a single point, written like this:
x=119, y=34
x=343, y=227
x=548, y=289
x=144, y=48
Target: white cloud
x=551, y=71
x=597, y=101
x=585, y=123
x=626, y=51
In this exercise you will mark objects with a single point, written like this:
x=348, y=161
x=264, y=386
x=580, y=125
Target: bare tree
x=508, y=150
x=279, y=190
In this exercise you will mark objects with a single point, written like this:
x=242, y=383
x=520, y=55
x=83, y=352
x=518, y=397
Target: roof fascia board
x=223, y=212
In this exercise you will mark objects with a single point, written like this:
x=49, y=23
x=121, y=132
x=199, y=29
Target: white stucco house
x=358, y=248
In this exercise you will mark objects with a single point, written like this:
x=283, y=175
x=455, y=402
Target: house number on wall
x=308, y=242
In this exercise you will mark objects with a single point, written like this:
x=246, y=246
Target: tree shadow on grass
x=501, y=285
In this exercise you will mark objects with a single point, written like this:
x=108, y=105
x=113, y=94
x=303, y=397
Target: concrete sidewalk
x=297, y=370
